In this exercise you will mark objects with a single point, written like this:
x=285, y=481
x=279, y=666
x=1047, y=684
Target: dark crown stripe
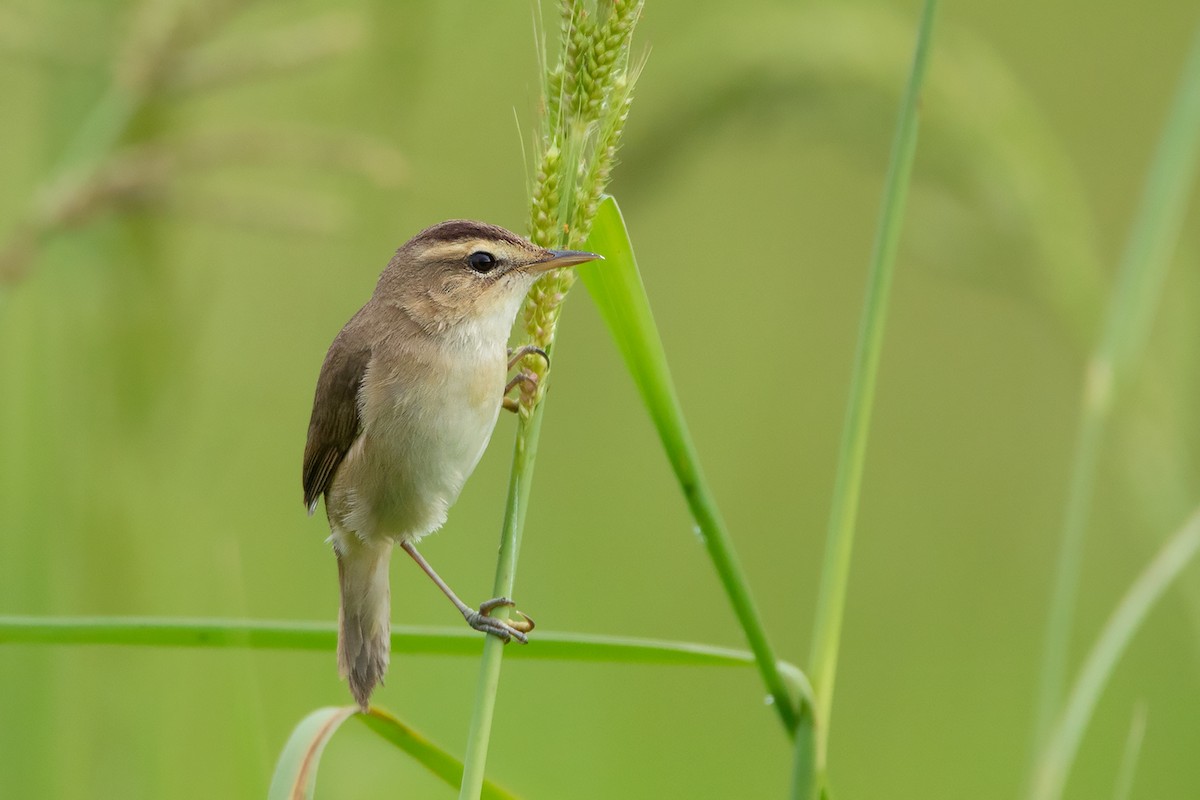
x=458, y=229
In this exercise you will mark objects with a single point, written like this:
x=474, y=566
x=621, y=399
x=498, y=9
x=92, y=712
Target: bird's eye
x=482, y=262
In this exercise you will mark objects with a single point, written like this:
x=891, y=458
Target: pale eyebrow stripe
x=452, y=251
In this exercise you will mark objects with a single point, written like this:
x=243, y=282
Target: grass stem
x=585, y=99
x=1067, y=732
x=1140, y=278
x=852, y=454
x=488, y=683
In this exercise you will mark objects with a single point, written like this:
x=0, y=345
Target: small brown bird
x=406, y=402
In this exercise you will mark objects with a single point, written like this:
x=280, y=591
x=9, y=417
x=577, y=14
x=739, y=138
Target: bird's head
x=467, y=277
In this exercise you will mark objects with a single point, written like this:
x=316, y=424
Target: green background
x=157, y=368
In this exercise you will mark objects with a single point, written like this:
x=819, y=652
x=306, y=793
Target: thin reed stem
x=852, y=455
x=586, y=97
x=1141, y=275
x=487, y=686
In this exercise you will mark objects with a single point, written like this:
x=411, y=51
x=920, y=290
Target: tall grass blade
x=1141, y=274
x=616, y=287
x=1056, y=758
x=295, y=776
x=852, y=454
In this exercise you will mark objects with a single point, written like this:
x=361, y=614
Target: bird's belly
x=417, y=450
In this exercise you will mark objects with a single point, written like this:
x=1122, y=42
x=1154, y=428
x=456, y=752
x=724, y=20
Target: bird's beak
x=562, y=258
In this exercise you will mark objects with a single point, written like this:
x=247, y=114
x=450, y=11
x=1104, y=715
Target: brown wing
x=335, y=423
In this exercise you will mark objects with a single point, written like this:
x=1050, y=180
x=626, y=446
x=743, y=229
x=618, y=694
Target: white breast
x=422, y=438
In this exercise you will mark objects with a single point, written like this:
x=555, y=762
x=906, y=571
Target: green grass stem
x=1141, y=275
x=586, y=97
x=852, y=455
x=1062, y=744
x=487, y=686
x=617, y=289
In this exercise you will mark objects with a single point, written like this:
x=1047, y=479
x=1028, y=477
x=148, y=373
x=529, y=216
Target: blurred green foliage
x=157, y=361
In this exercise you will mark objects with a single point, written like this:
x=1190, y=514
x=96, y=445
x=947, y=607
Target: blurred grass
x=1071, y=723
x=810, y=774
x=1141, y=276
x=994, y=173
x=1129, y=758
x=157, y=371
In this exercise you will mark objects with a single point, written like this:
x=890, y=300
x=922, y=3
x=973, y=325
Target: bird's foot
x=527, y=379
x=482, y=620
x=515, y=356
x=528, y=382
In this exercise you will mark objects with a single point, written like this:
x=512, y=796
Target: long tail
x=364, y=628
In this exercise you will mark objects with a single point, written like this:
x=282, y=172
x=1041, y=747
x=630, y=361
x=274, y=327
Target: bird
x=406, y=401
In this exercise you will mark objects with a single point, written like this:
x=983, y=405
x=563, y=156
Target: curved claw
x=523, y=377
x=504, y=631
x=525, y=624
x=528, y=382
x=527, y=350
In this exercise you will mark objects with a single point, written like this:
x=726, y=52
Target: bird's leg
x=479, y=620
x=525, y=377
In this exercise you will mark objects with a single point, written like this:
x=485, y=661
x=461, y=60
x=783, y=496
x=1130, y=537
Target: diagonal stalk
x=852, y=454
x=617, y=289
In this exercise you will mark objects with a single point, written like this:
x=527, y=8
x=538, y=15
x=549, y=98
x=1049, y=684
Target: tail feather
x=364, y=628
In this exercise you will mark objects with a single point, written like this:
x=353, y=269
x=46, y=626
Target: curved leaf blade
x=1066, y=735
x=295, y=776
x=428, y=754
